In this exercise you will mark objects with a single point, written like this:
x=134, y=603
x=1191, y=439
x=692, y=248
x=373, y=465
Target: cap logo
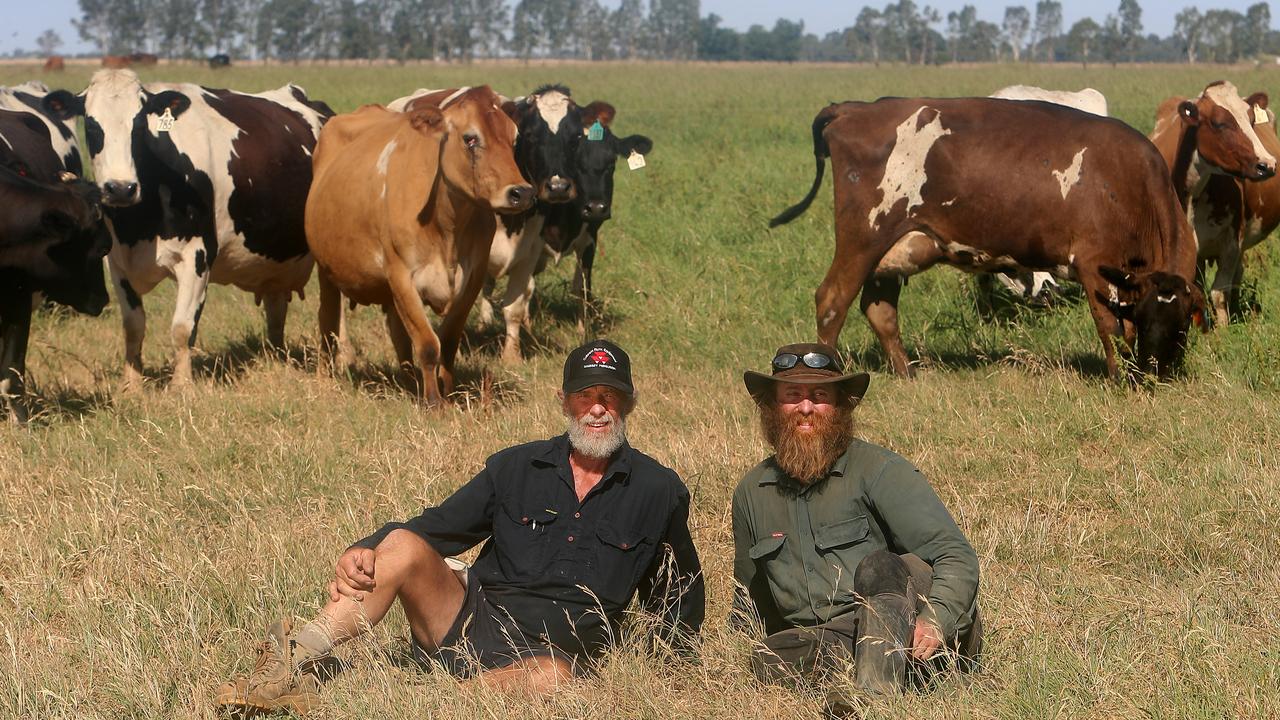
x=600, y=357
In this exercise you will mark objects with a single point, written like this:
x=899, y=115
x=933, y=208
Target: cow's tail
x=820, y=153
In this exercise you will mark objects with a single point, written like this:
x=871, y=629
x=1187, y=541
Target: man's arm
x=464, y=519
x=919, y=523
x=752, y=601
x=672, y=588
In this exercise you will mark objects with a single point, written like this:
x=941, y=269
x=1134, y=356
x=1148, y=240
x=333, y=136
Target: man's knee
x=406, y=546
x=881, y=572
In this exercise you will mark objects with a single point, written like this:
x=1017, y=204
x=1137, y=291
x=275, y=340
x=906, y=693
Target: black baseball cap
x=598, y=362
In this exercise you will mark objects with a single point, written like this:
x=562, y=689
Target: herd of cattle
x=405, y=206
x=418, y=203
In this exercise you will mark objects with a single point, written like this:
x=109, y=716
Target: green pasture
x=1128, y=538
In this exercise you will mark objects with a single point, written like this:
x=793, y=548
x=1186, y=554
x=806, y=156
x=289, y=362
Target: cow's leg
x=455, y=316
x=1110, y=329
x=276, y=306
x=401, y=343
x=849, y=270
x=15, y=333
x=426, y=344
x=331, y=322
x=1224, y=282
x=1237, y=306
x=582, y=287
x=192, y=289
x=880, y=305
x=133, y=317
x=515, y=307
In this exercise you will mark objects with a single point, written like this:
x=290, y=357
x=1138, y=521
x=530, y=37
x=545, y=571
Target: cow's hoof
x=511, y=356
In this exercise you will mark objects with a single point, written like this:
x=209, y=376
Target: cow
x=142, y=59
x=202, y=185
x=401, y=213
x=52, y=241
x=115, y=62
x=55, y=63
x=996, y=185
x=1037, y=288
x=29, y=97
x=219, y=61
x=1221, y=151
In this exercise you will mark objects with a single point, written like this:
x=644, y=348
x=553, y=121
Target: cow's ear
x=512, y=109
x=1189, y=113
x=634, y=143
x=1197, y=307
x=597, y=111
x=63, y=105
x=426, y=118
x=1258, y=99
x=1126, y=281
x=172, y=100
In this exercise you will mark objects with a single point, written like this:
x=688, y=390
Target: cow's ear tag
x=596, y=131
x=1259, y=116
x=635, y=160
x=166, y=121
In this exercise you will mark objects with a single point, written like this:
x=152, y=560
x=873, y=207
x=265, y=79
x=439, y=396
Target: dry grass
x=1127, y=538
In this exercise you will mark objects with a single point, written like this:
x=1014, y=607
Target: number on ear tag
x=1259, y=116
x=635, y=160
x=166, y=121
x=596, y=131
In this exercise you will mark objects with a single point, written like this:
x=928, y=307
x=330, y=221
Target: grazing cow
x=115, y=62
x=1221, y=151
x=143, y=59
x=402, y=211
x=55, y=63
x=219, y=61
x=991, y=185
x=1038, y=287
x=52, y=241
x=203, y=185
x=29, y=98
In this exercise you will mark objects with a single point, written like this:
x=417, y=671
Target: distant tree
x=220, y=21
x=628, y=27
x=1221, y=32
x=716, y=42
x=986, y=40
x=1257, y=23
x=526, y=35
x=1130, y=26
x=1048, y=26
x=49, y=41
x=1111, y=40
x=674, y=28
x=595, y=38
x=929, y=17
x=901, y=26
x=1188, y=26
x=863, y=38
x=1017, y=21
x=960, y=28
x=1082, y=37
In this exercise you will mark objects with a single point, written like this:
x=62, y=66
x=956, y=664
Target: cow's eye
x=1218, y=125
x=472, y=140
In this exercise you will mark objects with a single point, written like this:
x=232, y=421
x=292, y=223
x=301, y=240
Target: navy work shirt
x=546, y=549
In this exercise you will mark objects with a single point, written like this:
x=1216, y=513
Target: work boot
x=285, y=678
x=885, y=628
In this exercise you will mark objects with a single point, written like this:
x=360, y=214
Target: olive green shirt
x=796, y=548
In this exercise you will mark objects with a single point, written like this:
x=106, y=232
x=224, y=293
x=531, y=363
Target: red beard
x=807, y=456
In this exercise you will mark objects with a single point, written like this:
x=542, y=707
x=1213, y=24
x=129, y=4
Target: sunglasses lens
x=785, y=361
x=816, y=360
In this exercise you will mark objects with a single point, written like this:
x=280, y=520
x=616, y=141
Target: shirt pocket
x=524, y=538
x=841, y=533
x=767, y=548
x=622, y=555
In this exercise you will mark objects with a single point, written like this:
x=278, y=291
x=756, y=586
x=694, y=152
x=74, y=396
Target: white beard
x=595, y=446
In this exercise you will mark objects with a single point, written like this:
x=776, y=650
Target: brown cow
x=142, y=59
x=993, y=185
x=1221, y=153
x=402, y=210
x=55, y=63
x=115, y=62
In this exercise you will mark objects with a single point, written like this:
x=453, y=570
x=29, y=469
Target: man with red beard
x=841, y=548
x=573, y=528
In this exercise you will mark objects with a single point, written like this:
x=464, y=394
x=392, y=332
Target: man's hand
x=353, y=577
x=927, y=640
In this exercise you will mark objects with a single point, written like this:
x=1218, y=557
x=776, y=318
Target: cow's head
x=119, y=117
x=1160, y=306
x=1225, y=138
x=596, y=159
x=550, y=133
x=477, y=157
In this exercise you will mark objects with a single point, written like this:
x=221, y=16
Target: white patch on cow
x=1068, y=178
x=1113, y=293
x=829, y=317
x=1166, y=298
x=949, y=203
x=898, y=260
x=553, y=105
x=1228, y=97
x=64, y=146
x=1088, y=99
x=113, y=99
x=456, y=94
x=385, y=157
x=904, y=173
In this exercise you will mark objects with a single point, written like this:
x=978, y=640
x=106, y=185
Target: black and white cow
x=203, y=185
x=29, y=98
x=52, y=241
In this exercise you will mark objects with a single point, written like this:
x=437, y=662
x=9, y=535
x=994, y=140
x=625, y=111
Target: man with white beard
x=574, y=527
x=842, y=550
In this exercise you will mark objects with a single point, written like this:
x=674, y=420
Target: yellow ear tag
x=635, y=160
x=1259, y=116
x=166, y=121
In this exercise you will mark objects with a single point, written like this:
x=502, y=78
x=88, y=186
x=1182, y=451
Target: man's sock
x=314, y=639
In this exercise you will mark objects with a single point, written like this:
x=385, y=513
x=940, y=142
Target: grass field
x=1127, y=539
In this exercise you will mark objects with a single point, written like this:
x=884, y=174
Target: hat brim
x=853, y=385
x=582, y=383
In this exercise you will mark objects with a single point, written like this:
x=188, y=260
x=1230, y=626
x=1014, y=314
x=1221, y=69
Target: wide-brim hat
x=795, y=363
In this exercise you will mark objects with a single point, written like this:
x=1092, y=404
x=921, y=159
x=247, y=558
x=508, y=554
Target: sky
x=24, y=20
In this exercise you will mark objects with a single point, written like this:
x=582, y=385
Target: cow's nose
x=1265, y=170
x=557, y=184
x=120, y=190
x=520, y=196
x=595, y=211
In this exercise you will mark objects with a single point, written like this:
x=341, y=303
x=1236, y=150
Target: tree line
x=659, y=29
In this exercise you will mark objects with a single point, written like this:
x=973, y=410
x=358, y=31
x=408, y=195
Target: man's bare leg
x=541, y=675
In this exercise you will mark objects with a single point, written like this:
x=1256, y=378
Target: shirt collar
x=556, y=455
x=776, y=476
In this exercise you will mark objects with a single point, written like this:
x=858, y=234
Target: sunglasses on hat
x=815, y=360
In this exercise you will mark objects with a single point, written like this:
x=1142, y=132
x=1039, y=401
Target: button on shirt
x=796, y=548
x=544, y=545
